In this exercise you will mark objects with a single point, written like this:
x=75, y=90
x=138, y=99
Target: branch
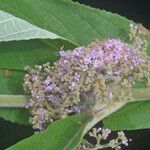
x=13, y=101
x=21, y=100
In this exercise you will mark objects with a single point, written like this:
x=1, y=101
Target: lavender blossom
x=100, y=72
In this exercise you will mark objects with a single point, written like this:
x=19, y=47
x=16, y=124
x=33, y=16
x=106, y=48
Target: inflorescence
x=101, y=137
x=102, y=72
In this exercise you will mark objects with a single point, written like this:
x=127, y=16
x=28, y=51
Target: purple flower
x=110, y=95
x=40, y=97
x=34, y=78
x=80, y=78
x=54, y=99
x=76, y=109
x=48, y=81
x=49, y=87
x=87, y=60
x=73, y=85
x=42, y=114
x=30, y=103
x=76, y=77
x=97, y=64
x=62, y=53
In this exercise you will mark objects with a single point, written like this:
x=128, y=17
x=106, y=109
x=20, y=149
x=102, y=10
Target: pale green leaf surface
x=13, y=28
x=61, y=135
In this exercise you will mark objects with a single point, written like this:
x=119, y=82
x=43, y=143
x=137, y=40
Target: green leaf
x=63, y=134
x=130, y=117
x=13, y=28
x=78, y=23
x=15, y=115
x=56, y=17
x=11, y=82
x=17, y=55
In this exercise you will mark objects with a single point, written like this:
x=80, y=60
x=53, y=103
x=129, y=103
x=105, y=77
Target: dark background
x=139, y=11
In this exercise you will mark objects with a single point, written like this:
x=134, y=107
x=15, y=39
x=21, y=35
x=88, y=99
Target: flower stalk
x=20, y=101
x=12, y=101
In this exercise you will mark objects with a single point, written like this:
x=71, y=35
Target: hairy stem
x=20, y=100
x=99, y=147
x=13, y=100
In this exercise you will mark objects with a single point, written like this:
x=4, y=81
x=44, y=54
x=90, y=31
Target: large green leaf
x=61, y=135
x=75, y=22
x=131, y=116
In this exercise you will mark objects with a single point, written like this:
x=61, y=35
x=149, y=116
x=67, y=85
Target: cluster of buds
x=101, y=137
x=137, y=36
x=102, y=72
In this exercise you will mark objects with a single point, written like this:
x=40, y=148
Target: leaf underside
x=13, y=28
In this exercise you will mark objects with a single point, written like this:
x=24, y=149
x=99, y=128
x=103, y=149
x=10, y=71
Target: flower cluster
x=102, y=72
x=137, y=36
x=101, y=136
